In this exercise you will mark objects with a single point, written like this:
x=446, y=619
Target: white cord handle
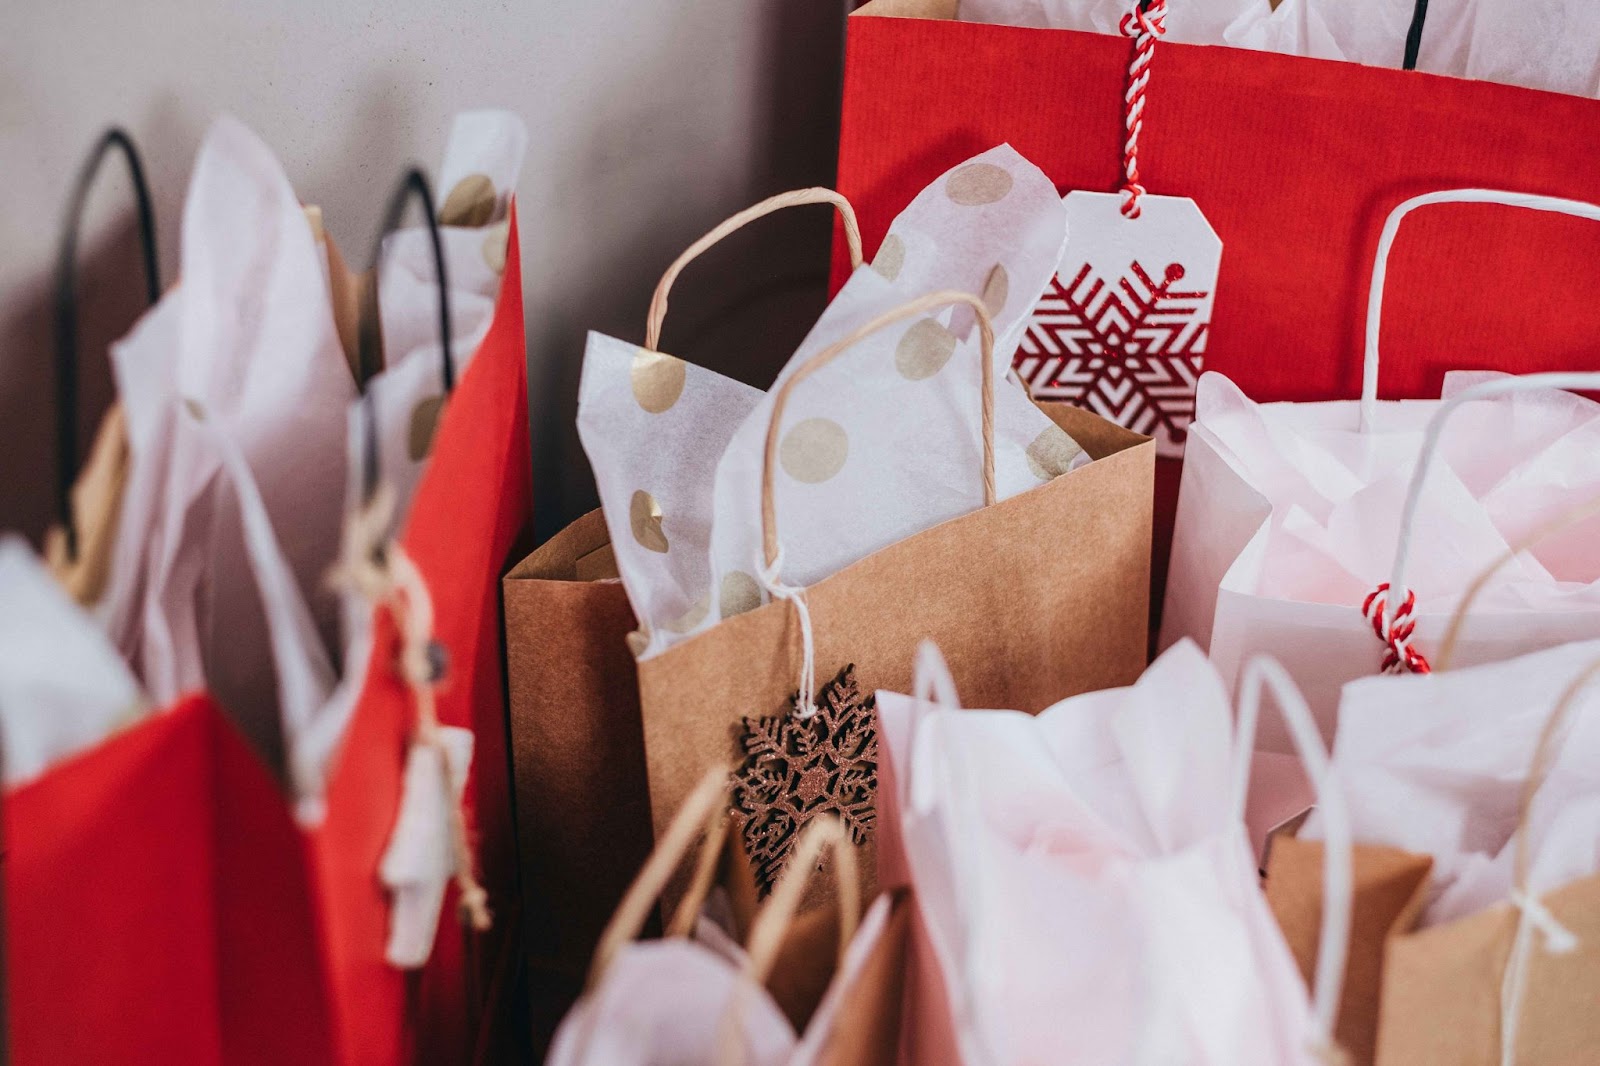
x=934, y=689
x=1430, y=445
x=1264, y=672
x=1380, y=266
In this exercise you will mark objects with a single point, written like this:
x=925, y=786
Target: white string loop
x=771, y=576
x=1533, y=916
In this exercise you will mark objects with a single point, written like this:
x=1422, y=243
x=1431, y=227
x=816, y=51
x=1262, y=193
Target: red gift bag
x=1294, y=162
x=109, y=949
x=303, y=909
x=162, y=903
x=110, y=901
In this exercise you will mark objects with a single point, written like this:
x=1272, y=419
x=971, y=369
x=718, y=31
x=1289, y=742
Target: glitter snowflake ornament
x=797, y=768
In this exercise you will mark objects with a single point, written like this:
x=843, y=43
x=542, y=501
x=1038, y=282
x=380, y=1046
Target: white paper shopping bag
x=1295, y=520
x=1084, y=885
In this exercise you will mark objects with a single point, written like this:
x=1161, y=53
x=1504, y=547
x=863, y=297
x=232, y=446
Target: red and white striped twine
x=1144, y=24
x=1399, y=656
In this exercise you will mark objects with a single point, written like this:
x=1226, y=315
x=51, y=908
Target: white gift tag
x=1122, y=328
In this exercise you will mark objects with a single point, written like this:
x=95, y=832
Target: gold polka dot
x=995, y=290
x=1052, y=453
x=470, y=203
x=978, y=183
x=196, y=410
x=924, y=349
x=891, y=257
x=740, y=593
x=495, y=240
x=644, y=516
x=424, y=423
x=814, y=450
x=692, y=617
x=657, y=380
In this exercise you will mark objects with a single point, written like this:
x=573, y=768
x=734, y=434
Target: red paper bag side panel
x=472, y=502
x=110, y=911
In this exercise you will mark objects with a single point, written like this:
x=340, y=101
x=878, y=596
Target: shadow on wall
x=740, y=310
x=110, y=283
x=743, y=307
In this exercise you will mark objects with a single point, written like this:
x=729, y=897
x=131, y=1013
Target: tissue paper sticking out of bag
x=243, y=460
x=1435, y=764
x=237, y=373
x=1552, y=45
x=1506, y=467
x=63, y=687
x=1189, y=22
x=1085, y=872
x=881, y=444
x=482, y=162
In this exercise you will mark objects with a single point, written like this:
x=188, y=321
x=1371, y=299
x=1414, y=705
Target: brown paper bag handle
x=705, y=810
x=1531, y=912
x=773, y=921
x=780, y=400
x=1559, y=524
x=797, y=198
x=1544, y=752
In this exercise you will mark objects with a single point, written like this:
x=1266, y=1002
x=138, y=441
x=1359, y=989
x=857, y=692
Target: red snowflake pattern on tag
x=1131, y=350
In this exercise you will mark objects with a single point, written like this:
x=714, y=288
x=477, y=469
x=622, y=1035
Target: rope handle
x=1261, y=674
x=66, y=308
x=1544, y=752
x=932, y=687
x=796, y=198
x=703, y=811
x=1380, y=266
x=1391, y=605
x=778, y=914
x=911, y=309
x=1554, y=527
x=1532, y=914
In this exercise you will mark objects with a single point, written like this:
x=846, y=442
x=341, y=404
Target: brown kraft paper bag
x=1034, y=598
x=583, y=806
x=1449, y=993
x=583, y=810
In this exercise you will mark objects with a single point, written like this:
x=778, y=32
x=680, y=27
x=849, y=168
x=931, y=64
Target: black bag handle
x=66, y=308
x=1419, y=15
x=414, y=184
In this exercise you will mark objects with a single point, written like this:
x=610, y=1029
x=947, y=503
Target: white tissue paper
x=236, y=374
x=1086, y=881
x=482, y=162
x=1197, y=22
x=1290, y=516
x=1435, y=764
x=1552, y=45
x=63, y=687
x=240, y=404
x=881, y=444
